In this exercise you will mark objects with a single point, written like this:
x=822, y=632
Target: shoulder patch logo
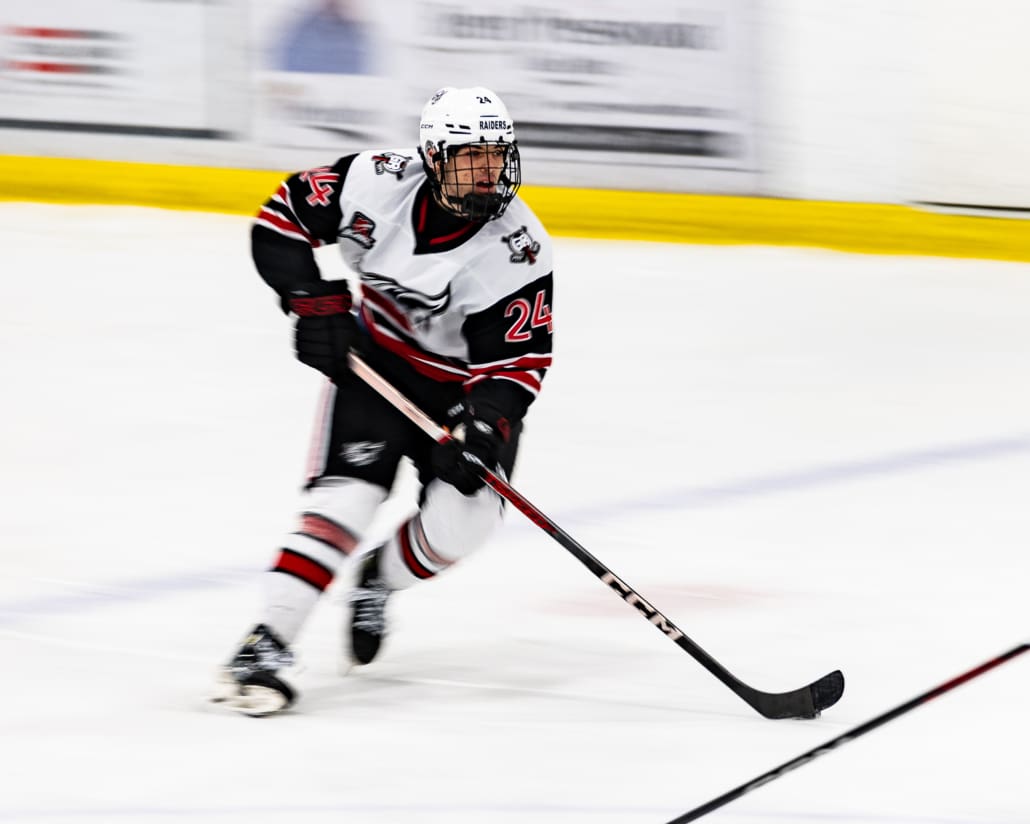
x=360, y=230
x=523, y=247
x=391, y=163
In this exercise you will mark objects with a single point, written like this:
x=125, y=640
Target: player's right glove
x=460, y=462
x=325, y=329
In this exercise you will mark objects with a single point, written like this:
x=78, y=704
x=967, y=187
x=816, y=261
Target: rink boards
x=590, y=213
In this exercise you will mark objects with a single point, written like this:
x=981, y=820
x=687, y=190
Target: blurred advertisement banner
x=656, y=83
x=323, y=78
x=122, y=66
x=662, y=89
x=654, y=95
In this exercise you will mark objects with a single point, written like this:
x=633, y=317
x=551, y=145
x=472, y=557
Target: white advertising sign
x=124, y=66
x=656, y=83
x=661, y=85
x=655, y=94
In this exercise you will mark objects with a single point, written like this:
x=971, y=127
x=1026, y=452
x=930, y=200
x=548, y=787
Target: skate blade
x=254, y=700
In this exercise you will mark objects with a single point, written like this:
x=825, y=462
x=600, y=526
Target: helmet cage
x=445, y=163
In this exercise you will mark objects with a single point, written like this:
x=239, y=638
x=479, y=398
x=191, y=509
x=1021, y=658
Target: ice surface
x=808, y=460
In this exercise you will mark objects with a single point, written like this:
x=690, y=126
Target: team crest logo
x=522, y=246
x=418, y=306
x=362, y=453
x=391, y=163
x=360, y=230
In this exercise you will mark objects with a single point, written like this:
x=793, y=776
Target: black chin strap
x=481, y=207
x=473, y=207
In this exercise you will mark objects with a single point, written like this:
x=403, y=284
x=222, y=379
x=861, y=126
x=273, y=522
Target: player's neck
x=435, y=219
x=439, y=211
x=436, y=228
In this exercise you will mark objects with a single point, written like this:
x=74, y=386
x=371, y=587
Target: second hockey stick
x=804, y=702
x=850, y=735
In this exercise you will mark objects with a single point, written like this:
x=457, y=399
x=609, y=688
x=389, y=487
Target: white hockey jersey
x=458, y=301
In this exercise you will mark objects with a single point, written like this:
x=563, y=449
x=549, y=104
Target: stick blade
x=827, y=691
x=806, y=702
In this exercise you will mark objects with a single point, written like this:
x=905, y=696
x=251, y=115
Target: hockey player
x=452, y=306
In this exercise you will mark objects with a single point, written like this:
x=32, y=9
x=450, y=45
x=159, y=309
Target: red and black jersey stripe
x=384, y=329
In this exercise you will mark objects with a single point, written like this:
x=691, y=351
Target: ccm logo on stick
x=644, y=608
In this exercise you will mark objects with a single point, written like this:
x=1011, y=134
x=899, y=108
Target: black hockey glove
x=325, y=328
x=460, y=463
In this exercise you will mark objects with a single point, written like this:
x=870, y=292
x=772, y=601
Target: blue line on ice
x=811, y=478
x=132, y=591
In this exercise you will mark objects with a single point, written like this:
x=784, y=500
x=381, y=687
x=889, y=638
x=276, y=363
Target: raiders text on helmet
x=456, y=118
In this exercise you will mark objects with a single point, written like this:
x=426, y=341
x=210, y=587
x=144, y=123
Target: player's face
x=473, y=170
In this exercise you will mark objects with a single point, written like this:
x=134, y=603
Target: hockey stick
x=844, y=738
x=805, y=702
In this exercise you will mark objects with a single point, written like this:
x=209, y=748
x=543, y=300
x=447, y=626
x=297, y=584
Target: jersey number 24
x=527, y=319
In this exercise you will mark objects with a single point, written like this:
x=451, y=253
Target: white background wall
x=896, y=100
x=836, y=97
x=865, y=100
x=971, y=139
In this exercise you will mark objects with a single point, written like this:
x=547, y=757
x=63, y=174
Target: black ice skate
x=368, y=611
x=250, y=683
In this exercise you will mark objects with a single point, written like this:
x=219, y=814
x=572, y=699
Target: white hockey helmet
x=454, y=118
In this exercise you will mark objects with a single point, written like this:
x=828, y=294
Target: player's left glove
x=460, y=462
x=325, y=329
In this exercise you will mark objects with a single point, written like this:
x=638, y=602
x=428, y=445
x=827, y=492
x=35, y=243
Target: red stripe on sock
x=309, y=571
x=423, y=544
x=324, y=530
x=417, y=568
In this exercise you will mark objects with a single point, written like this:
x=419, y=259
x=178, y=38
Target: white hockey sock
x=448, y=527
x=334, y=516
